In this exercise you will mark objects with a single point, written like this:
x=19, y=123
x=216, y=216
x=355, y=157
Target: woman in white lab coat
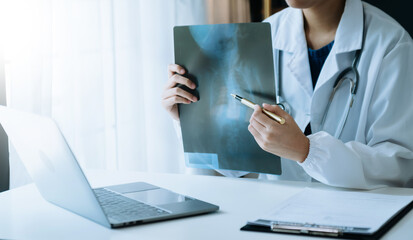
x=375, y=146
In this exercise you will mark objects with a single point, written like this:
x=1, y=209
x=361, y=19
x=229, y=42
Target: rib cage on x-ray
x=223, y=59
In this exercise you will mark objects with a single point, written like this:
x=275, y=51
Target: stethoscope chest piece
x=285, y=106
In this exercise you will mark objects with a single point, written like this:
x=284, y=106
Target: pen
x=250, y=104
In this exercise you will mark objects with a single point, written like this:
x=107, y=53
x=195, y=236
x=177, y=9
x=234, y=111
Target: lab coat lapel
x=348, y=39
x=291, y=39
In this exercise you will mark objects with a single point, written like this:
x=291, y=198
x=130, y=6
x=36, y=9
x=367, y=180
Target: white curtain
x=98, y=68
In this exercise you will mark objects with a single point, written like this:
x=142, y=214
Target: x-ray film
x=223, y=59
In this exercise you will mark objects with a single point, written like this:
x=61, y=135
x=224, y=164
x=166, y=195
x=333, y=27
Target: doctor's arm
x=386, y=157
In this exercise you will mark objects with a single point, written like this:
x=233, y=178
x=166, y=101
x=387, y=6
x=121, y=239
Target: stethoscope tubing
x=339, y=81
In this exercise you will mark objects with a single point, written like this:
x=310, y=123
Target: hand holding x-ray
x=172, y=94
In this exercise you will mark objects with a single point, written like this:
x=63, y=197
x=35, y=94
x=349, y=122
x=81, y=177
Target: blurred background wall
x=98, y=66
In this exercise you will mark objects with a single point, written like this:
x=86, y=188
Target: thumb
x=275, y=109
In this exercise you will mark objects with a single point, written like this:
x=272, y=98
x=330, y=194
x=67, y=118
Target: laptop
x=60, y=180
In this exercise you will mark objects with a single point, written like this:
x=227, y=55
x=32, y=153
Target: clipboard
x=319, y=230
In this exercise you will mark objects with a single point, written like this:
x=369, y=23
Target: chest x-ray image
x=222, y=59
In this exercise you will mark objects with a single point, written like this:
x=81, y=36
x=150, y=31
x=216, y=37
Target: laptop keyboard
x=121, y=209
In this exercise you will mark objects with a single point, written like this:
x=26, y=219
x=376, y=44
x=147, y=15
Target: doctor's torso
x=308, y=105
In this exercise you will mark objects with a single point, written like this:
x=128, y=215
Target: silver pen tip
x=236, y=97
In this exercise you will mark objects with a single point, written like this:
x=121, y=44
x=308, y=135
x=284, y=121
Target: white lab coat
x=375, y=148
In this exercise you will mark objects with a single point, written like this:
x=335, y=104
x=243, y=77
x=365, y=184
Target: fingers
x=175, y=99
x=257, y=135
x=175, y=79
x=275, y=109
x=175, y=68
x=179, y=92
x=257, y=125
x=173, y=94
x=260, y=117
x=172, y=90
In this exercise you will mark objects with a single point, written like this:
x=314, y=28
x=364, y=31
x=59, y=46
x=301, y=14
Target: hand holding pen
x=250, y=104
x=276, y=132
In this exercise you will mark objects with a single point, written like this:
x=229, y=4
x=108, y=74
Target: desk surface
x=24, y=214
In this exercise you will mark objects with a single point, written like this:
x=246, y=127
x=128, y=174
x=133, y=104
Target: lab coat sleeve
x=386, y=158
x=227, y=173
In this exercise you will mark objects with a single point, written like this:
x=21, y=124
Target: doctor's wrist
x=304, y=149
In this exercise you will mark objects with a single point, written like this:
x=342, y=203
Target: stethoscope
x=342, y=77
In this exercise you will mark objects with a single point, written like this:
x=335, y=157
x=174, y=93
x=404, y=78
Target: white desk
x=24, y=214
